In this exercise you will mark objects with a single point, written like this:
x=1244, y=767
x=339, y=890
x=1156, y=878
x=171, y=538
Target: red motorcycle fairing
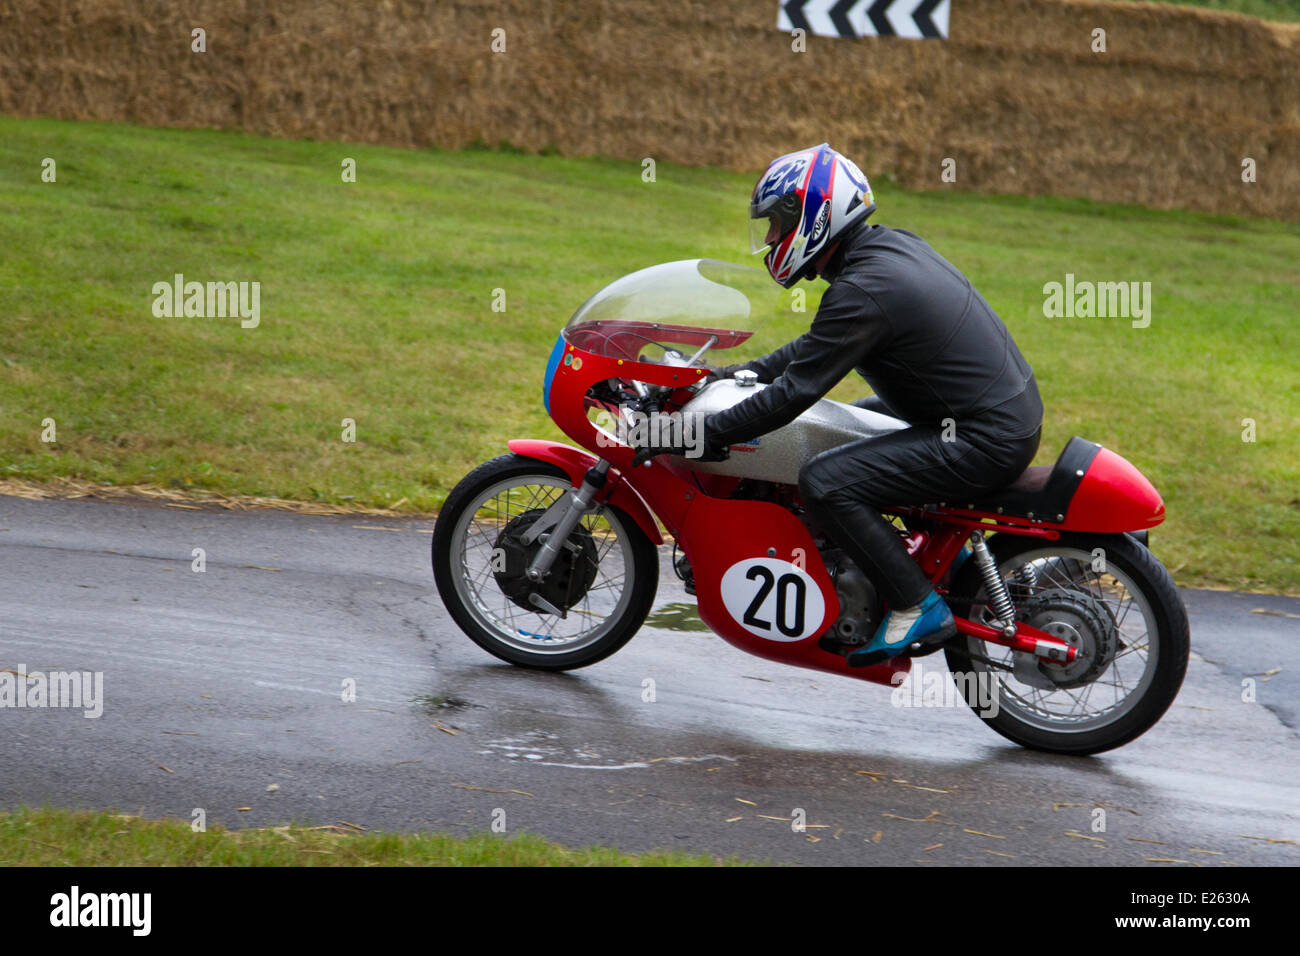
x=1112, y=497
x=747, y=556
x=576, y=462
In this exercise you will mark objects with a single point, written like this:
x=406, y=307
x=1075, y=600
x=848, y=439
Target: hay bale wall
x=1017, y=96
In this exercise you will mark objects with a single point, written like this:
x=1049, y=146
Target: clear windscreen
x=722, y=312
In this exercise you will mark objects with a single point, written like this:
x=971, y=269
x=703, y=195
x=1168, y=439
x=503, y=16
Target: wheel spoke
x=598, y=551
x=1113, y=601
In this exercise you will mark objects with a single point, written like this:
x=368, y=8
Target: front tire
x=1126, y=615
x=608, y=575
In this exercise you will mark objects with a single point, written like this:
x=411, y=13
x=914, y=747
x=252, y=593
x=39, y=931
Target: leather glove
x=696, y=450
x=727, y=371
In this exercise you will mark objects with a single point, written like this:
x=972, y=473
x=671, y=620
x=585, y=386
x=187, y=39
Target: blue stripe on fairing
x=551, y=365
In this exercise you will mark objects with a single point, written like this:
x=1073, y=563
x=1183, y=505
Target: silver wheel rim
x=592, y=618
x=1117, y=689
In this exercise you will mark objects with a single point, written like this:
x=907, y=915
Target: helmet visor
x=760, y=230
x=774, y=223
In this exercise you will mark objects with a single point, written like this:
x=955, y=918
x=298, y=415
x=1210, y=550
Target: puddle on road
x=676, y=617
x=437, y=704
x=546, y=750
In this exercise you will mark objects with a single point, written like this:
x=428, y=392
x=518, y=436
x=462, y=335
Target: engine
x=859, y=603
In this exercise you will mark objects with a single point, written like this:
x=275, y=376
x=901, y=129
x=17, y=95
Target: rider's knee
x=812, y=483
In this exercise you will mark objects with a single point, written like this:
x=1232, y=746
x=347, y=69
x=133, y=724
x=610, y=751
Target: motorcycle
x=547, y=557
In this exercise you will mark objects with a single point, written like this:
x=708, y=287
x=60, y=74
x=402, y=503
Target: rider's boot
x=930, y=622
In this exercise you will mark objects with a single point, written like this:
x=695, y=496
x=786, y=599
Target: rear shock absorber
x=999, y=599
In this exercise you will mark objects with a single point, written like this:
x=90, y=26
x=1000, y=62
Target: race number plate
x=773, y=599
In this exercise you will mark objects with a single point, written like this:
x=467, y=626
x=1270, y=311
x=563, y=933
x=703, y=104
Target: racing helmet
x=801, y=203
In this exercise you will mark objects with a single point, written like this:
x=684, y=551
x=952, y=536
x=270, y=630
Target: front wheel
x=603, y=582
x=1110, y=598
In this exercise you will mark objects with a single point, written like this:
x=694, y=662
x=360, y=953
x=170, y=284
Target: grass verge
x=377, y=306
x=52, y=837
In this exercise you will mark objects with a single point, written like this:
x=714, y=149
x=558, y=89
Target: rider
x=934, y=352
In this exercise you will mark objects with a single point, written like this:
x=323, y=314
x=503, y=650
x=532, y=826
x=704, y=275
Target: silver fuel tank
x=778, y=456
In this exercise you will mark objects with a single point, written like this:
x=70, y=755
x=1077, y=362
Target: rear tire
x=500, y=635
x=1166, y=639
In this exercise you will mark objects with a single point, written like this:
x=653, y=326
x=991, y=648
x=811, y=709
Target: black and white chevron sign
x=916, y=19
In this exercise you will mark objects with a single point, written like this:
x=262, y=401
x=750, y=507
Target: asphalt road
x=223, y=690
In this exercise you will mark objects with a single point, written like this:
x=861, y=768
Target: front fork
x=557, y=523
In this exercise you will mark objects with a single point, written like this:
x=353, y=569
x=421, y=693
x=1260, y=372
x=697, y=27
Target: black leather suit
x=937, y=356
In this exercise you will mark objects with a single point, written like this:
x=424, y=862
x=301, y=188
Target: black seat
x=1041, y=491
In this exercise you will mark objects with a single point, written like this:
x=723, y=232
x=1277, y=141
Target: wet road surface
x=222, y=684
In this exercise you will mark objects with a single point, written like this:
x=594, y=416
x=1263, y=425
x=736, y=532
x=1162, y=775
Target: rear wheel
x=603, y=581
x=1107, y=596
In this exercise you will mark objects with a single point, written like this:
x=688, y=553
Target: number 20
x=769, y=580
